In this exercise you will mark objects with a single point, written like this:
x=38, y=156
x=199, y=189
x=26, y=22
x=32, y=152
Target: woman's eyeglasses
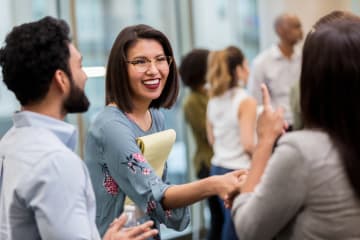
x=142, y=64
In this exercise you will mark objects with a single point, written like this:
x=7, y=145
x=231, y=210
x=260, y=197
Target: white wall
x=309, y=11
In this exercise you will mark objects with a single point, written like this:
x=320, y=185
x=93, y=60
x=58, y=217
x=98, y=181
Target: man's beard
x=77, y=101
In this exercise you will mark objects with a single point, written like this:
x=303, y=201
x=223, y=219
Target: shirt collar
x=277, y=54
x=64, y=131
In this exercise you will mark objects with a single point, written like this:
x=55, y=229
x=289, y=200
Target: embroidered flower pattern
x=139, y=157
x=131, y=167
x=151, y=206
x=168, y=213
x=134, y=161
x=146, y=171
x=109, y=183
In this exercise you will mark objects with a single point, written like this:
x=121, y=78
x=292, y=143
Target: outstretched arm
x=223, y=185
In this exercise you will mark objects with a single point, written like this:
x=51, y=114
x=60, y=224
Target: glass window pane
x=236, y=21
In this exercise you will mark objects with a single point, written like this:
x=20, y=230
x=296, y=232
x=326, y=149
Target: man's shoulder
x=32, y=145
x=31, y=137
x=264, y=56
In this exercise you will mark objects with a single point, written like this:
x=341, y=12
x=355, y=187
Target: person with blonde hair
x=231, y=117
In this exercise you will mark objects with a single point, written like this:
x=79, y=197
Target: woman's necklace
x=144, y=123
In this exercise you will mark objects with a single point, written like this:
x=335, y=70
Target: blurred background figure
x=193, y=74
x=279, y=66
x=231, y=118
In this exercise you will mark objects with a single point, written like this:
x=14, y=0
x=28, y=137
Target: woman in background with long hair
x=231, y=118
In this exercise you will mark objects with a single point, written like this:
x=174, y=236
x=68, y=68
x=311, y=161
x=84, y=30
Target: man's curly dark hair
x=31, y=55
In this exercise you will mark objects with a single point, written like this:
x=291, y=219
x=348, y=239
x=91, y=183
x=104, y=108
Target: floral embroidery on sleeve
x=134, y=161
x=138, y=157
x=151, y=206
x=109, y=183
x=168, y=213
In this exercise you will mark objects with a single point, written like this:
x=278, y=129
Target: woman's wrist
x=212, y=185
x=266, y=141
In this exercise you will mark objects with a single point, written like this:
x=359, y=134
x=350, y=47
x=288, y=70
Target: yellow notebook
x=156, y=148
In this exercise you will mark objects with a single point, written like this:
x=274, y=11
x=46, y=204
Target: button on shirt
x=279, y=73
x=45, y=189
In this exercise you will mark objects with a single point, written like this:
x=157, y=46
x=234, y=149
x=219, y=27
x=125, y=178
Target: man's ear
x=61, y=80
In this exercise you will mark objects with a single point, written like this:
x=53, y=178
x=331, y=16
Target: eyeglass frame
x=169, y=60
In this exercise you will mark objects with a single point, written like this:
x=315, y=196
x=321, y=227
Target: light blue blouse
x=118, y=169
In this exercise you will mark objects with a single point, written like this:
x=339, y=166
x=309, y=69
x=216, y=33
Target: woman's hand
x=228, y=199
x=117, y=232
x=271, y=124
x=229, y=185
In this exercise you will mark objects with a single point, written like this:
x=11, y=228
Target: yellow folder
x=156, y=148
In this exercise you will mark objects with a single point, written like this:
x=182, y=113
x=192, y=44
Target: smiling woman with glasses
x=141, y=78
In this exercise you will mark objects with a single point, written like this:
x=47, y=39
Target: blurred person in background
x=193, y=74
x=279, y=66
x=231, y=119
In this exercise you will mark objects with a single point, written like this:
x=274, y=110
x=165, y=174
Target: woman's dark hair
x=335, y=16
x=330, y=86
x=32, y=54
x=117, y=78
x=221, y=72
x=193, y=68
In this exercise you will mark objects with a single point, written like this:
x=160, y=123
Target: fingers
x=229, y=198
x=265, y=96
x=227, y=203
x=141, y=228
x=118, y=223
x=148, y=234
x=242, y=178
x=143, y=231
x=239, y=173
x=115, y=227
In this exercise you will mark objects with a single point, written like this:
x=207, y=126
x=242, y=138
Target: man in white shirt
x=279, y=66
x=45, y=188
